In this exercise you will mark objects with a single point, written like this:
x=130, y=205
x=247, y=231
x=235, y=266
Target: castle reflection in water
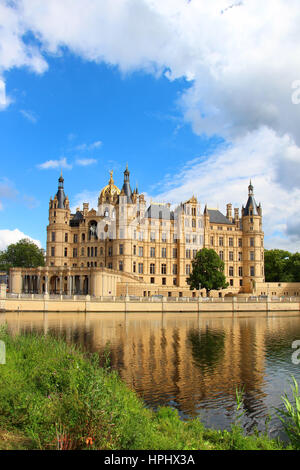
x=190, y=361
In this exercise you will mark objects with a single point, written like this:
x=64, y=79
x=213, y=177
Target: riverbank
x=54, y=396
x=226, y=306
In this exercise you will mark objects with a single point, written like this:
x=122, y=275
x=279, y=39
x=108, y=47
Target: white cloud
x=91, y=146
x=85, y=161
x=29, y=115
x=240, y=60
x=85, y=196
x=224, y=177
x=53, y=164
x=13, y=236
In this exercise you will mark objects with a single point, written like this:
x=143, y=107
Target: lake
x=192, y=362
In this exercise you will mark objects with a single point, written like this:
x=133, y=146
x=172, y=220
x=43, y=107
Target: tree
x=279, y=266
x=207, y=271
x=23, y=254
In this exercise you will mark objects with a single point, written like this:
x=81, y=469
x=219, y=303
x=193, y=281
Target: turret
x=253, y=259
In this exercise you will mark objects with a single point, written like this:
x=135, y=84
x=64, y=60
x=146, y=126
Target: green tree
x=279, y=266
x=207, y=271
x=23, y=254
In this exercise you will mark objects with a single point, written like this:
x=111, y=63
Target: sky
x=197, y=97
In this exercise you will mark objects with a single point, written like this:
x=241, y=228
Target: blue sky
x=196, y=98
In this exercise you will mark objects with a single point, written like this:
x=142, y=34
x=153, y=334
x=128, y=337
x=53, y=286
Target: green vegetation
x=290, y=417
x=282, y=266
x=207, y=271
x=53, y=396
x=23, y=254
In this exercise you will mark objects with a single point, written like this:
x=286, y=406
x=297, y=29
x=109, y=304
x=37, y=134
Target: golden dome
x=109, y=191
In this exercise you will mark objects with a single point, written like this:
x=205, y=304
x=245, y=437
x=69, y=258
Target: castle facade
x=126, y=247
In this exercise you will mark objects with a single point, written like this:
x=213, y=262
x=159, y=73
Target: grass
x=53, y=396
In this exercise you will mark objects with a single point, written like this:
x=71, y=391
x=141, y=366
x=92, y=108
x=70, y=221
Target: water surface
x=188, y=361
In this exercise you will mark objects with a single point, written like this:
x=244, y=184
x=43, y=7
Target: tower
x=58, y=230
x=253, y=243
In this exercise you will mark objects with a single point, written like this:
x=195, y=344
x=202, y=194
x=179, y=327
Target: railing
x=158, y=298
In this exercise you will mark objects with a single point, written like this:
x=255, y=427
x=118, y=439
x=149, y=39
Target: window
x=174, y=252
x=141, y=251
x=252, y=271
x=134, y=249
x=221, y=241
x=230, y=255
x=74, y=252
x=101, y=251
x=141, y=268
x=212, y=240
x=230, y=241
x=152, y=268
x=230, y=271
x=120, y=265
x=174, y=237
x=66, y=237
x=251, y=255
x=194, y=253
x=52, y=251
x=174, y=268
x=110, y=251
x=82, y=251
x=164, y=281
x=152, y=280
x=240, y=242
x=163, y=252
x=83, y=237
x=251, y=241
x=187, y=239
x=121, y=249
x=240, y=258
x=152, y=236
x=188, y=254
x=194, y=223
x=241, y=282
x=174, y=281
x=163, y=237
x=53, y=236
x=66, y=252
x=221, y=254
x=231, y=282
x=240, y=271
x=92, y=251
x=188, y=269
x=164, y=268
x=152, y=252
x=134, y=267
x=96, y=250
x=110, y=266
x=88, y=251
x=75, y=238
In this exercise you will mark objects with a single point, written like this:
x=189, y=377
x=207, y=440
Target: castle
x=126, y=247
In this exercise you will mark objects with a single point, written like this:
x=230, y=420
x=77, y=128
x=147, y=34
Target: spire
x=126, y=189
x=250, y=189
x=60, y=193
x=126, y=174
x=251, y=206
